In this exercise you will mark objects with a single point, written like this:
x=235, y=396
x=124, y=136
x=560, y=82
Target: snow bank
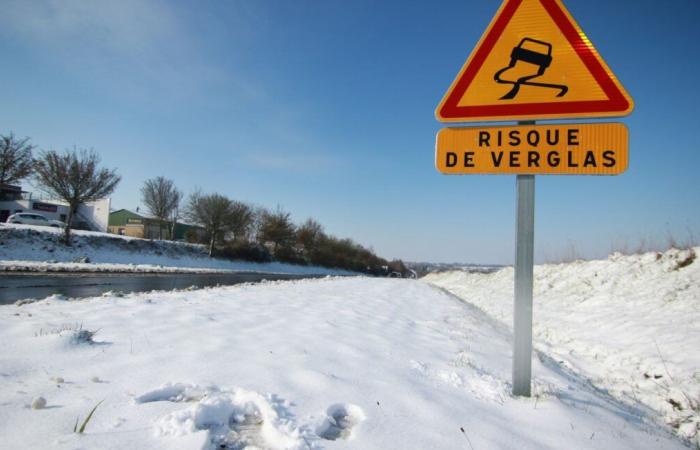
x=332, y=363
x=38, y=249
x=631, y=324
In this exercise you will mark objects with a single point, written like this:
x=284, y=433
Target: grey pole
x=522, y=313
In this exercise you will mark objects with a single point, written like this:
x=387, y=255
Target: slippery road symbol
x=535, y=53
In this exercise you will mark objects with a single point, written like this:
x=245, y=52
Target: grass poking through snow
x=81, y=430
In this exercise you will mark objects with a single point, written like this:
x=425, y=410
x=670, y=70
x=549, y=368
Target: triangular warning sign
x=533, y=62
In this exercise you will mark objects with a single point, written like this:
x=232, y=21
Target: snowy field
x=37, y=249
x=630, y=324
x=336, y=363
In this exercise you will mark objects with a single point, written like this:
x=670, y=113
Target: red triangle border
x=617, y=102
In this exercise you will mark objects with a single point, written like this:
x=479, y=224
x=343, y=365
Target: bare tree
x=162, y=199
x=241, y=219
x=74, y=177
x=211, y=211
x=256, y=224
x=308, y=234
x=277, y=228
x=15, y=159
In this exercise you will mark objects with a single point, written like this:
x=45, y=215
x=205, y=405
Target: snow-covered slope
x=35, y=248
x=349, y=363
x=629, y=323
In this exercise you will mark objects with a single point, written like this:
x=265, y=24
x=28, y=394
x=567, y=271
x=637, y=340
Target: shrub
x=194, y=237
x=247, y=251
x=289, y=255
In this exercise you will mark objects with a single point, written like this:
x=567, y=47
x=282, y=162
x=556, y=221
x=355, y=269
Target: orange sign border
x=619, y=102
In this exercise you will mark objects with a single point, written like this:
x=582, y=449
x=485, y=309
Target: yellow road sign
x=533, y=62
x=568, y=149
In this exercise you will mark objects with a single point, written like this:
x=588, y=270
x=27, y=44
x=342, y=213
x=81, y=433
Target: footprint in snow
x=340, y=422
x=233, y=418
x=245, y=432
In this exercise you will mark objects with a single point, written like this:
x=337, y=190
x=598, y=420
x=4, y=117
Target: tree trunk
x=160, y=230
x=173, y=223
x=69, y=223
x=211, y=244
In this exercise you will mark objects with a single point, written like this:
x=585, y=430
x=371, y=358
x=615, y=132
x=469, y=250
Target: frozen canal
x=14, y=286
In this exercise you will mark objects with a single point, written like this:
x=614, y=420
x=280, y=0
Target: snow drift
x=630, y=324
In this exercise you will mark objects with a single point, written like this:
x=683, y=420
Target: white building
x=92, y=216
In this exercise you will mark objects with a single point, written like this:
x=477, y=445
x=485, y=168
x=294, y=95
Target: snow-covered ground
x=333, y=363
x=630, y=324
x=35, y=248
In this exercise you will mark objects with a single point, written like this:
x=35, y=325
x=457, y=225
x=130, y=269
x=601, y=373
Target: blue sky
x=326, y=108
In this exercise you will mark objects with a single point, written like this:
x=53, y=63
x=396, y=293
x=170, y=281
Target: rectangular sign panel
x=561, y=149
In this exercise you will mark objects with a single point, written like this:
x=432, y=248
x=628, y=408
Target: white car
x=34, y=219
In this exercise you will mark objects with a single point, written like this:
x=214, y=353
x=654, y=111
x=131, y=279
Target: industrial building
x=129, y=223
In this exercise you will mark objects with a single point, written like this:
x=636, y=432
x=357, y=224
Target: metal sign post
x=522, y=313
x=533, y=62
x=524, y=265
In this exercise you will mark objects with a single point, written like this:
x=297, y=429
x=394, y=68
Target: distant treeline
x=237, y=230
x=229, y=228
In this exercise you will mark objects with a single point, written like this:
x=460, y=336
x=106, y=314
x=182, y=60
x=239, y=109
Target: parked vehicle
x=34, y=219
